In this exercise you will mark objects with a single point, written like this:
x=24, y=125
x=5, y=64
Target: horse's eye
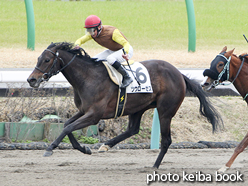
x=47, y=60
x=221, y=65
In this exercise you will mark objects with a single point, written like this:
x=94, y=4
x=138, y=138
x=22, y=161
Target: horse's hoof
x=48, y=153
x=150, y=168
x=223, y=169
x=154, y=167
x=103, y=148
x=87, y=150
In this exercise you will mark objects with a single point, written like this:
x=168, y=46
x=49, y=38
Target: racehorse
x=228, y=66
x=95, y=95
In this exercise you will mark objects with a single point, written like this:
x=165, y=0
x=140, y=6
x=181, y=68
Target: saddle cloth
x=139, y=71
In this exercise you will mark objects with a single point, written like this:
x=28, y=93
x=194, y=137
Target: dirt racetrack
x=119, y=167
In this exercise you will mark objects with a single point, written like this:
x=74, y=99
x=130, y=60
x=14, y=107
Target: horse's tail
x=206, y=108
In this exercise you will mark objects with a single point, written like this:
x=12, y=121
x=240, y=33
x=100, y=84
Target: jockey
x=112, y=39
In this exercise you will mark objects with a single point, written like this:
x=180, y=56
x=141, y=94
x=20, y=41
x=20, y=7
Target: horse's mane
x=69, y=47
x=241, y=57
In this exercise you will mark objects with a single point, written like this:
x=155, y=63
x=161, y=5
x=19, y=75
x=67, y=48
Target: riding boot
x=127, y=80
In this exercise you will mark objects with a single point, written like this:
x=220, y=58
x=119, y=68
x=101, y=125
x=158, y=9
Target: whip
x=130, y=68
x=245, y=38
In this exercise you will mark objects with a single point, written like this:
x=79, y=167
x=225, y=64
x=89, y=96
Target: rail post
x=30, y=24
x=155, y=133
x=191, y=25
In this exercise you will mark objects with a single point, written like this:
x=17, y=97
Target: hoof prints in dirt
x=181, y=145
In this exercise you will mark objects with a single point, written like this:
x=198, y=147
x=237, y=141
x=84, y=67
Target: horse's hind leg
x=76, y=145
x=72, y=139
x=165, y=140
x=133, y=128
x=240, y=148
x=167, y=108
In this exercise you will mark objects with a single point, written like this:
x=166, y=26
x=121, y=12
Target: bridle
x=47, y=75
x=226, y=70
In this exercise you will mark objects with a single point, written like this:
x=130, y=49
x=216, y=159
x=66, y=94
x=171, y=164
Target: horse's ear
x=224, y=49
x=229, y=53
x=51, y=45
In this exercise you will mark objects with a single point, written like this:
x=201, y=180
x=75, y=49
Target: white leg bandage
x=223, y=169
x=103, y=148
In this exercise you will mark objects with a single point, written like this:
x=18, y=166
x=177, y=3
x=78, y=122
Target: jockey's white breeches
x=112, y=56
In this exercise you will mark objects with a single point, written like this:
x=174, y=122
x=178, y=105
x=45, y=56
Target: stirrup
x=126, y=82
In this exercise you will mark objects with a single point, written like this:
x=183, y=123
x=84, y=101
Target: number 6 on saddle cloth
x=142, y=85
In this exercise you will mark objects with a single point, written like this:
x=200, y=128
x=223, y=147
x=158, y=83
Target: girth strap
x=121, y=102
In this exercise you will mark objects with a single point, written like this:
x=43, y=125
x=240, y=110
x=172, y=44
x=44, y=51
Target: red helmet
x=92, y=21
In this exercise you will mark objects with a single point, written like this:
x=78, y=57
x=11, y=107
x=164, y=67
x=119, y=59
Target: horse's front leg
x=70, y=135
x=240, y=148
x=77, y=123
x=49, y=150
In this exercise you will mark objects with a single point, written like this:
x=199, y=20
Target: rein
x=49, y=74
x=243, y=57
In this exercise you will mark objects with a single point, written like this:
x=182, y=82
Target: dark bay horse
x=95, y=95
x=228, y=66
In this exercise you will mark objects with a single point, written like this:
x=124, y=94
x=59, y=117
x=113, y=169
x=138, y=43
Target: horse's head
x=49, y=63
x=219, y=70
x=46, y=66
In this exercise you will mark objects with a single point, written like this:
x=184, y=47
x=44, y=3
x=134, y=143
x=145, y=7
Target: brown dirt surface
x=117, y=167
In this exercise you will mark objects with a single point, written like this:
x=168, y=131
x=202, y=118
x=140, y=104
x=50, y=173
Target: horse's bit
x=47, y=75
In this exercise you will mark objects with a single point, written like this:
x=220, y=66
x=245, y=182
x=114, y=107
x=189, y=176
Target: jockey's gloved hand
x=76, y=47
x=125, y=56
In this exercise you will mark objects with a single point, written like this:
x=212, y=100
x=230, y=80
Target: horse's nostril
x=205, y=84
x=31, y=80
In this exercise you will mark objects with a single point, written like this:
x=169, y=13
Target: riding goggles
x=90, y=30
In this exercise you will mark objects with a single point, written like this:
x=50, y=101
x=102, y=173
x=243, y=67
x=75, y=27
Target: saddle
x=114, y=75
